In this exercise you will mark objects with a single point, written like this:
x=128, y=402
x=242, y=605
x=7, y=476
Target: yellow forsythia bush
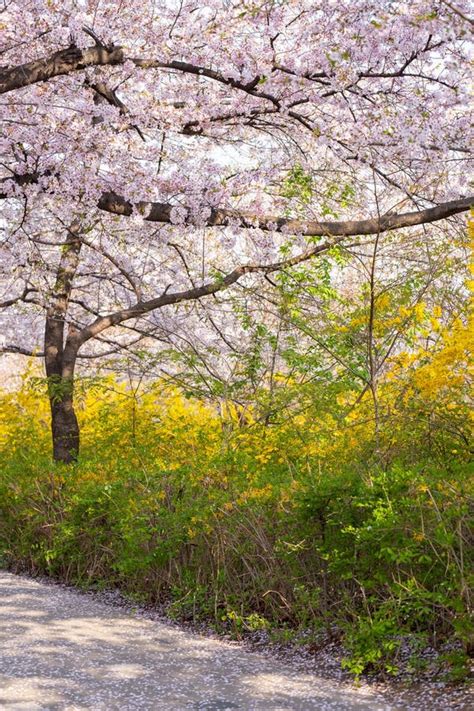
x=323, y=517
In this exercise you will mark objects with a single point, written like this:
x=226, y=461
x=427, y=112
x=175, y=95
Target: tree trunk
x=65, y=430
x=60, y=364
x=60, y=356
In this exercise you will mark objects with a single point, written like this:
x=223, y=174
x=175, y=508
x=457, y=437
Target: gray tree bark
x=60, y=355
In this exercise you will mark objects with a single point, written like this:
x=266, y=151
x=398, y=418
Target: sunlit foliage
x=310, y=521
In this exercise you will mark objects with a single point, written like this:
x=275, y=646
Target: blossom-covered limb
x=63, y=62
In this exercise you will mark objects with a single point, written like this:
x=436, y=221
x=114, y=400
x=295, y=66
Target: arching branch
x=211, y=287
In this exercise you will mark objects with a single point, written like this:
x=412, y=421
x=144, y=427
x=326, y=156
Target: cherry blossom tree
x=146, y=146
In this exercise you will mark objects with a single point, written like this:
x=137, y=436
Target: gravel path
x=61, y=651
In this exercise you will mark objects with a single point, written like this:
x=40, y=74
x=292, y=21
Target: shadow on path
x=62, y=651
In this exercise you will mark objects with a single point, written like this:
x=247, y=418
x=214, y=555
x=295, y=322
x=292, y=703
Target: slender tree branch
x=21, y=351
x=21, y=297
x=458, y=12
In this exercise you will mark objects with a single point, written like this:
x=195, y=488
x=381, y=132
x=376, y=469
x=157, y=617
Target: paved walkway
x=64, y=651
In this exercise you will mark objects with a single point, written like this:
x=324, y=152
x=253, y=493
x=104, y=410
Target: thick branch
x=339, y=230
x=161, y=212
x=72, y=59
x=63, y=62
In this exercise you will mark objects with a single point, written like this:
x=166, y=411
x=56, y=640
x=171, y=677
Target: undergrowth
x=283, y=528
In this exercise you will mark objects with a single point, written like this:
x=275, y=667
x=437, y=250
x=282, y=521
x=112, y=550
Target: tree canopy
x=157, y=153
